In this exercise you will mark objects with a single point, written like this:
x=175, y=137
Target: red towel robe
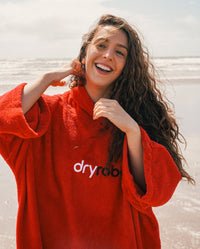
x=58, y=153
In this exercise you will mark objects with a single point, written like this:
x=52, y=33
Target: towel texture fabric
x=67, y=198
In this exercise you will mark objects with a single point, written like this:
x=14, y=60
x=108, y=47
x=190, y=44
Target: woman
x=91, y=163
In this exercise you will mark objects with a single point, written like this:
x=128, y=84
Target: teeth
x=103, y=67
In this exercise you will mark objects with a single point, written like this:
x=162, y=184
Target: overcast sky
x=54, y=28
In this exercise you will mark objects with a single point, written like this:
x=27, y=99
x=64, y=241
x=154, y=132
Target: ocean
x=179, y=219
x=15, y=71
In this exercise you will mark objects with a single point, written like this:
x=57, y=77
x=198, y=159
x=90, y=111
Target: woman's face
x=105, y=58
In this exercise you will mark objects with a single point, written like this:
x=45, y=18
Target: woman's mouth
x=103, y=68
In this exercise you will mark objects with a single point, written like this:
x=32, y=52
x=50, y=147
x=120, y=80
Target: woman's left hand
x=112, y=110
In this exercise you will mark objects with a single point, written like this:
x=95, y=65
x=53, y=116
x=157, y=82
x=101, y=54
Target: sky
x=54, y=28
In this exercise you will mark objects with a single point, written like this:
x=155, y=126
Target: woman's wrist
x=55, y=76
x=133, y=129
x=47, y=78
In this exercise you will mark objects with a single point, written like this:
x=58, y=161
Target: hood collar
x=81, y=96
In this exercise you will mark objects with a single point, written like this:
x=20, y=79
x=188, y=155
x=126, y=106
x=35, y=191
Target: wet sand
x=179, y=219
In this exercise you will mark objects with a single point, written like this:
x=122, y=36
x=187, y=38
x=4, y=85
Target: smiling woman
x=92, y=162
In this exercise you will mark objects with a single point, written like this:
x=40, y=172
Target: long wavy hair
x=137, y=92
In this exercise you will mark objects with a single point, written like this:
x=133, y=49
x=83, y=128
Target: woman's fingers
x=105, y=108
x=77, y=68
x=58, y=83
x=101, y=112
x=112, y=110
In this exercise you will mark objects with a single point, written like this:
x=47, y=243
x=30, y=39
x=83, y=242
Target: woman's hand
x=32, y=92
x=112, y=110
x=74, y=68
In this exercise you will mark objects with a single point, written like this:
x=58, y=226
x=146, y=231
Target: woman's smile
x=103, y=68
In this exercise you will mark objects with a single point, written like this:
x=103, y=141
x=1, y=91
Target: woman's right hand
x=32, y=92
x=56, y=78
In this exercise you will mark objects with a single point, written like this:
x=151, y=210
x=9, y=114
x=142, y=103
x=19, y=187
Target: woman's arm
x=32, y=92
x=135, y=152
x=118, y=116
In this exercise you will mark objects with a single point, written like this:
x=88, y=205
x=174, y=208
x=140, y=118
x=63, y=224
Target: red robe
x=58, y=154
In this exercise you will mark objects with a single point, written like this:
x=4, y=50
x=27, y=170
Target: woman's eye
x=120, y=52
x=101, y=45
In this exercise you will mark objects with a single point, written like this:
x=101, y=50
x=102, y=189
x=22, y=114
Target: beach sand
x=179, y=219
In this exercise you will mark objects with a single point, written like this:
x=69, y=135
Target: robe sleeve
x=12, y=120
x=16, y=129
x=161, y=175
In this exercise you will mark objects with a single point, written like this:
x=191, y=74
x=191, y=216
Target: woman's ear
x=83, y=61
x=83, y=64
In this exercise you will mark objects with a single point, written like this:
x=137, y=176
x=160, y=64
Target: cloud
x=47, y=21
x=41, y=15
x=192, y=2
x=189, y=20
x=43, y=28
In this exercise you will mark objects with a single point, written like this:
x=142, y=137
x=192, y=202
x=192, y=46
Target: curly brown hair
x=137, y=92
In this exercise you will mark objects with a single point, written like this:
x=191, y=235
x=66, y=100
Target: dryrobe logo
x=95, y=170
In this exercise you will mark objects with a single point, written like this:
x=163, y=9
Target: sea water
x=15, y=71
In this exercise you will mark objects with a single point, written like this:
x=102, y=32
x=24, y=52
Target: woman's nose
x=108, y=54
